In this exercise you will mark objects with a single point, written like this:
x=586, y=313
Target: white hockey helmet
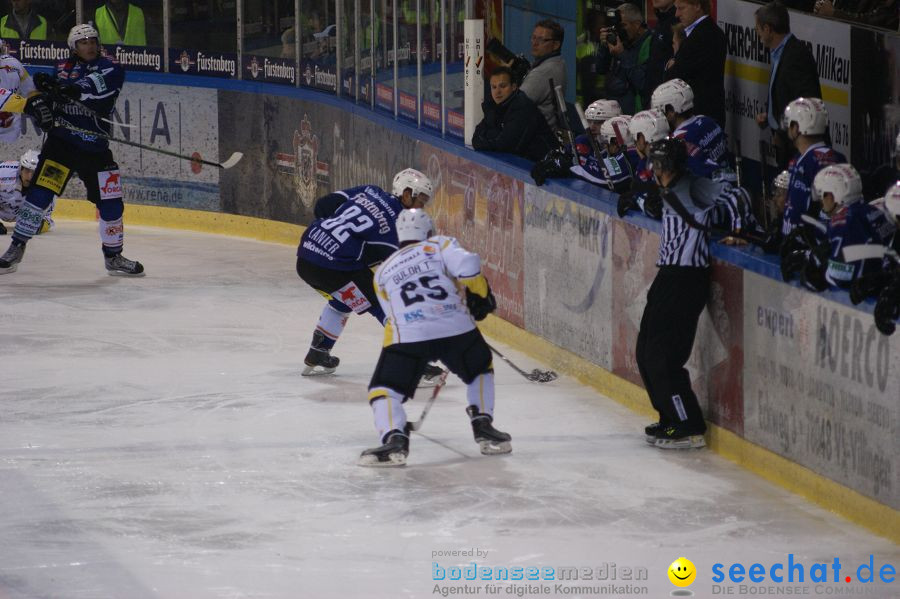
x=809, y=114
x=651, y=123
x=892, y=200
x=840, y=180
x=675, y=93
x=410, y=178
x=85, y=31
x=601, y=110
x=617, y=128
x=782, y=180
x=30, y=159
x=414, y=224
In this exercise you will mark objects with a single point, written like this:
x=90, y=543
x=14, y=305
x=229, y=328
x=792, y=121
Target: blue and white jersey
x=584, y=149
x=708, y=154
x=802, y=172
x=856, y=223
x=361, y=233
x=100, y=81
x=612, y=171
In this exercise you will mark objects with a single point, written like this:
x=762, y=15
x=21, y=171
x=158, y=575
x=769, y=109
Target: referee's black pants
x=668, y=327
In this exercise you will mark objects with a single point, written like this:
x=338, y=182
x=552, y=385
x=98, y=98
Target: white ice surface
x=157, y=440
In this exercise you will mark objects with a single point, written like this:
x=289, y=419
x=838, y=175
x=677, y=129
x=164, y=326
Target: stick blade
x=232, y=160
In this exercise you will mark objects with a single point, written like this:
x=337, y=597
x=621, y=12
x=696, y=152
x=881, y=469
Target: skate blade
x=691, y=442
x=119, y=273
x=9, y=269
x=651, y=439
x=371, y=461
x=317, y=371
x=494, y=448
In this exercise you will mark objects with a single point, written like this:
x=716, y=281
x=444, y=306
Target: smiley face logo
x=682, y=572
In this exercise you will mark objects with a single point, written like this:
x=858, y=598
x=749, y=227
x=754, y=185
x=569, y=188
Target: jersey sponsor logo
x=110, y=183
x=414, y=316
x=53, y=176
x=445, y=309
x=353, y=298
x=99, y=82
x=429, y=249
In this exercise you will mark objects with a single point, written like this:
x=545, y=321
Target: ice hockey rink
x=157, y=440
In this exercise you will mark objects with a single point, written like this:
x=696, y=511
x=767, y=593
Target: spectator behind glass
x=120, y=22
x=878, y=13
x=512, y=123
x=700, y=61
x=625, y=61
x=23, y=23
x=660, y=46
x=546, y=41
x=794, y=73
x=587, y=49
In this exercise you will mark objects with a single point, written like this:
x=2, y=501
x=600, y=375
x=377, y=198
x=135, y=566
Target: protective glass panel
x=269, y=41
x=384, y=50
x=318, y=44
x=208, y=27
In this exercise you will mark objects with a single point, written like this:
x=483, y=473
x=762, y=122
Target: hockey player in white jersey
x=430, y=318
x=15, y=178
x=14, y=79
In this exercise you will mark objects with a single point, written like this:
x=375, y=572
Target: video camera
x=614, y=22
x=519, y=66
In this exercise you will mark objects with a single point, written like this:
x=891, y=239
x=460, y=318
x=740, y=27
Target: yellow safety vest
x=38, y=33
x=135, y=32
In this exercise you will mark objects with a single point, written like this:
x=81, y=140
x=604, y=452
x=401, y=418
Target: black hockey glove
x=792, y=264
x=626, y=203
x=814, y=275
x=555, y=165
x=44, y=82
x=653, y=205
x=479, y=306
x=887, y=308
x=38, y=108
x=868, y=285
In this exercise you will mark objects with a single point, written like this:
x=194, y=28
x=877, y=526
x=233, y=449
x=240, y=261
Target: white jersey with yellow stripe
x=14, y=81
x=419, y=288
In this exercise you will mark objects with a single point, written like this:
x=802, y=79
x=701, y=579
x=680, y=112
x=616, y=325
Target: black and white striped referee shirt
x=684, y=240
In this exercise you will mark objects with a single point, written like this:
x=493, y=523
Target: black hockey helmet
x=669, y=154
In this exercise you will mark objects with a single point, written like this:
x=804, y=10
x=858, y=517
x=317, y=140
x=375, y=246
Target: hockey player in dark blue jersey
x=618, y=158
x=852, y=222
x=805, y=120
x=82, y=94
x=337, y=252
x=645, y=128
x=708, y=154
x=597, y=113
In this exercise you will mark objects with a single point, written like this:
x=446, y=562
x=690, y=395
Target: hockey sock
x=387, y=405
x=112, y=236
x=331, y=325
x=28, y=221
x=480, y=393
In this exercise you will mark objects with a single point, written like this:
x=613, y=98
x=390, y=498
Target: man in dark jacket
x=700, y=61
x=512, y=122
x=794, y=73
x=660, y=47
x=624, y=61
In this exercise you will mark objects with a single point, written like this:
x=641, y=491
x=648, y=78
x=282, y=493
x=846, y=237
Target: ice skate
x=319, y=360
x=490, y=440
x=680, y=437
x=651, y=431
x=392, y=453
x=9, y=262
x=432, y=376
x=118, y=265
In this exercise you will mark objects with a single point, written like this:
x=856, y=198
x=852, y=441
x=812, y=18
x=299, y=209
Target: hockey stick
x=232, y=160
x=415, y=426
x=535, y=376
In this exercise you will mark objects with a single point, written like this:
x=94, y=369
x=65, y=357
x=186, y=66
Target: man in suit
x=794, y=73
x=700, y=60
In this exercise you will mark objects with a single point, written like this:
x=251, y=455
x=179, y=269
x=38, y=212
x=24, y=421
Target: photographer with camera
x=625, y=56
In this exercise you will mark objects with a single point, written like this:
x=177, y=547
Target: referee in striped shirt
x=691, y=206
